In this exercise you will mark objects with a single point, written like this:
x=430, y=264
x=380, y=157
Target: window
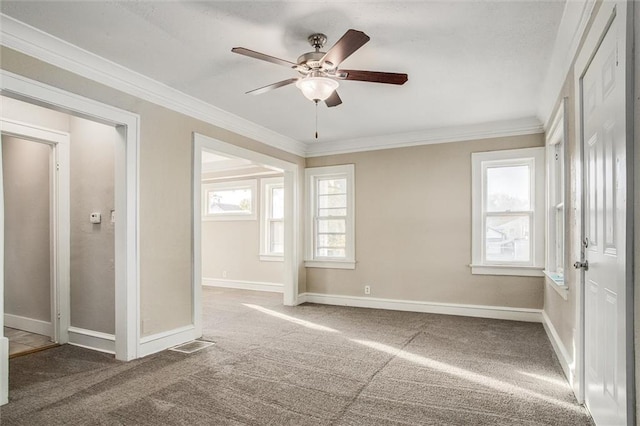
x=330, y=212
x=229, y=200
x=508, y=219
x=272, y=219
x=554, y=269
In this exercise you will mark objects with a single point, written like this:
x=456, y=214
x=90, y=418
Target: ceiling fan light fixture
x=317, y=88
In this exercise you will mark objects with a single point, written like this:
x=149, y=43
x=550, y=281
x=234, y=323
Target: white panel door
x=603, y=132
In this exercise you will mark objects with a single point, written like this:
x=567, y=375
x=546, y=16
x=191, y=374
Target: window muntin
x=507, y=212
x=229, y=200
x=330, y=207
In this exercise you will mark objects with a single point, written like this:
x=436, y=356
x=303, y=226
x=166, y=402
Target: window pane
x=277, y=203
x=326, y=252
x=507, y=239
x=332, y=225
x=276, y=237
x=560, y=240
x=229, y=201
x=508, y=188
x=331, y=240
x=326, y=201
x=332, y=186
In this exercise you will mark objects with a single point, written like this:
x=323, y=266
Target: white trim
x=292, y=232
x=330, y=264
x=566, y=362
x=167, y=339
x=312, y=175
x=572, y=27
x=478, y=311
x=45, y=47
x=271, y=258
x=251, y=184
x=127, y=254
x=4, y=342
x=60, y=299
x=495, y=129
x=4, y=370
x=557, y=136
x=266, y=204
x=244, y=285
x=516, y=271
x=479, y=160
x=94, y=340
x=44, y=328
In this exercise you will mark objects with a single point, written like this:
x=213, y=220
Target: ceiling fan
x=319, y=70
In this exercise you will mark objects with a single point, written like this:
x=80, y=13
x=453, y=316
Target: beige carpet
x=308, y=365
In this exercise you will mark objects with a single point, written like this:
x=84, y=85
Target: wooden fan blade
x=351, y=41
x=373, y=76
x=270, y=87
x=333, y=100
x=263, y=57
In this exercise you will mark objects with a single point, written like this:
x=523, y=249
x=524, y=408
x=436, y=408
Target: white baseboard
x=561, y=351
x=244, y=285
x=478, y=311
x=95, y=340
x=165, y=340
x=4, y=370
x=28, y=324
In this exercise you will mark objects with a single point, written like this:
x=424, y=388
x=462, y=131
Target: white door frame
x=610, y=13
x=127, y=286
x=291, y=222
x=60, y=230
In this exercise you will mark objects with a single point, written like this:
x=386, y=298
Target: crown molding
x=573, y=24
x=496, y=129
x=31, y=41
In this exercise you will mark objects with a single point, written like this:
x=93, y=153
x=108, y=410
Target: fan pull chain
x=316, y=119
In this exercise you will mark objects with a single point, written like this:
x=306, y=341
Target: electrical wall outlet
x=224, y=274
x=367, y=289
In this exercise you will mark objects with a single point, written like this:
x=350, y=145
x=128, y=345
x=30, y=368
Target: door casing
x=609, y=13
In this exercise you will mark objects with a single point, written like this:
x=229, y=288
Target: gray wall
x=413, y=228
x=27, y=273
x=92, y=245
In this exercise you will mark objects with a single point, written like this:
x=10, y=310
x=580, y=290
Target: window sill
x=330, y=264
x=271, y=258
x=557, y=283
x=518, y=271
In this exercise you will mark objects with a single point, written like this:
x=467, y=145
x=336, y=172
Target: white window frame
x=266, y=200
x=236, y=184
x=480, y=161
x=555, y=202
x=312, y=175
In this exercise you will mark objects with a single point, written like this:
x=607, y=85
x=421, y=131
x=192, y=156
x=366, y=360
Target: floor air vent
x=191, y=347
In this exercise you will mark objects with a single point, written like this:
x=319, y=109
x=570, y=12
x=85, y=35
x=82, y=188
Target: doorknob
x=582, y=265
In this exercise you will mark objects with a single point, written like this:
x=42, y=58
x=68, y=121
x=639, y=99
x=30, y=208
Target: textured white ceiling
x=468, y=62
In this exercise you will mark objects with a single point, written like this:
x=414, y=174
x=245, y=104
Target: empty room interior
x=310, y=213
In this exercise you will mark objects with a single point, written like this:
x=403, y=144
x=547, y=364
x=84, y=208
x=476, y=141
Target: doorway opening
x=35, y=193
x=124, y=125
x=244, y=222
